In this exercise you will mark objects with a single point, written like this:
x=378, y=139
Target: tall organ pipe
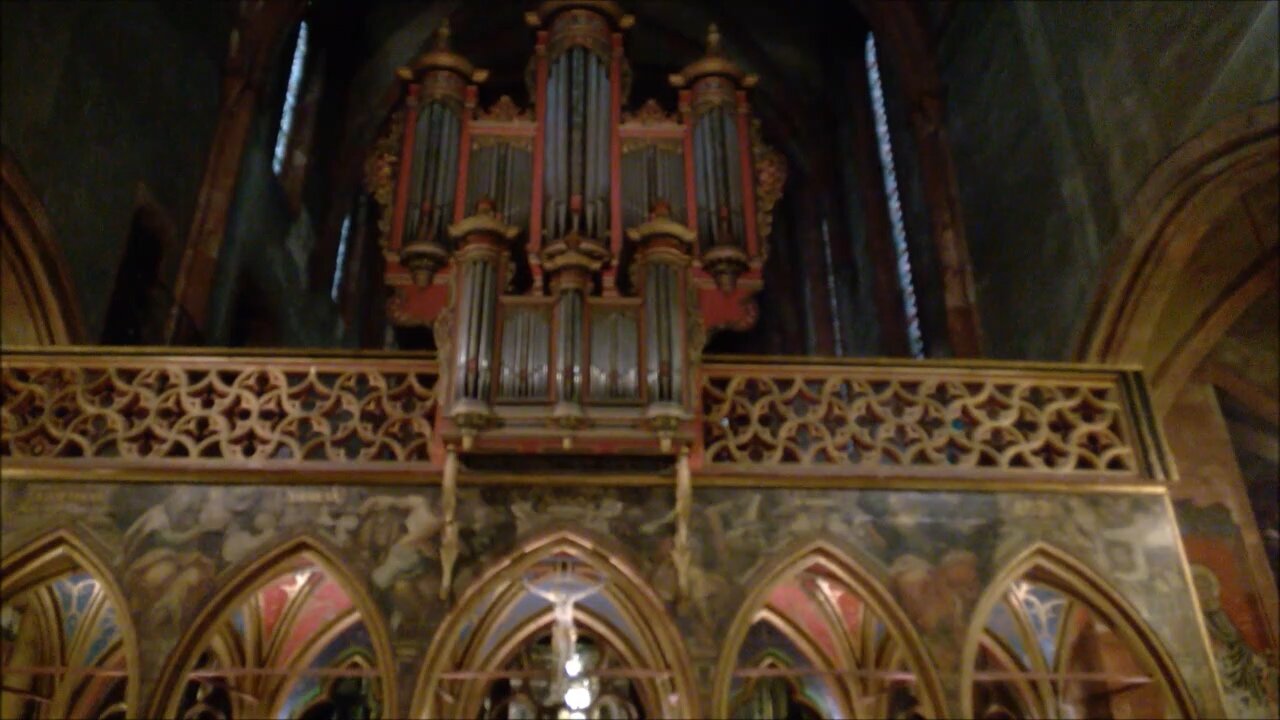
x=421, y=141
x=589, y=157
x=603, y=131
x=576, y=136
x=550, y=114
x=562, y=146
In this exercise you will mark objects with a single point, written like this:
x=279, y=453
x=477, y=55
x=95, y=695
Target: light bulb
x=577, y=697
x=573, y=666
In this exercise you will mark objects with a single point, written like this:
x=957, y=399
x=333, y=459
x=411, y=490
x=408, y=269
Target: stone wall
x=1057, y=111
x=98, y=98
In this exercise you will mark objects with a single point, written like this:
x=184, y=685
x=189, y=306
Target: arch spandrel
x=859, y=578
x=240, y=586
x=57, y=553
x=1044, y=563
x=474, y=638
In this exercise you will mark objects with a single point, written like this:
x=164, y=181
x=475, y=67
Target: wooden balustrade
x=171, y=414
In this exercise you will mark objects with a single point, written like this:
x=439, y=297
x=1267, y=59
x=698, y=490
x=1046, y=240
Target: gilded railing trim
x=9, y=353
x=403, y=476
x=737, y=362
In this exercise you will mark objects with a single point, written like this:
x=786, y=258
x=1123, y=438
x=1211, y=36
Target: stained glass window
x=285, y=131
x=339, y=264
x=915, y=337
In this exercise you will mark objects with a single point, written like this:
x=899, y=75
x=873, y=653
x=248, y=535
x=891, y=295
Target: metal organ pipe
x=576, y=132
x=603, y=128
x=733, y=172
x=418, y=163
x=589, y=158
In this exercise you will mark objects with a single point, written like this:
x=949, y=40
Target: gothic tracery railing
x=374, y=415
x=228, y=412
x=927, y=419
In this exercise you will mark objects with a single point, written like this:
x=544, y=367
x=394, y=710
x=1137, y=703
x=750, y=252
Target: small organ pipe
x=489, y=299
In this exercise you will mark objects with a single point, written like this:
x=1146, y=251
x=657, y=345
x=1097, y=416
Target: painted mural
x=172, y=547
x=1233, y=614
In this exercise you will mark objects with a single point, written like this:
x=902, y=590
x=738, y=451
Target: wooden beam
x=1259, y=401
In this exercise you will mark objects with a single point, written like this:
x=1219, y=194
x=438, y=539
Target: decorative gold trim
x=52, y=553
x=712, y=62
x=247, y=580
x=1074, y=579
x=410, y=475
x=440, y=57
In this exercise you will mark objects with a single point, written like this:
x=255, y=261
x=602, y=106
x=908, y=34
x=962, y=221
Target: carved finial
x=660, y=209
x=713, y=39
x=441, y=36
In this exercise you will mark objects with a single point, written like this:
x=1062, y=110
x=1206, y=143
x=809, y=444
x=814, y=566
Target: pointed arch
x=1194, y=205
x=1046, y=565
x=58, y=553
x=242, y=587
x=833, y=558
x=485, y=626
x=40, y=305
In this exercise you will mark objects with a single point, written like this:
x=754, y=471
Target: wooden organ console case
x=571, y=258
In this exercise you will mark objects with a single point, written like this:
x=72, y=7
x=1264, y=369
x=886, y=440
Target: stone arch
x=61, y=551
x=1046, y=564
x=40, y=306
x=240, y=587
x=854, y=573
x=464, y=640
x=1169, y=226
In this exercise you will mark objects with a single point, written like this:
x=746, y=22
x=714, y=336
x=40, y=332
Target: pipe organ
x=572, y=256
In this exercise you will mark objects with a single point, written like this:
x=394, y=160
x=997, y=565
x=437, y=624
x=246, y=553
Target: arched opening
x=560, y=629
x=1051, y=641
x=820, y=637
x=1195, y=298
x=67, y=644
x=294, y=637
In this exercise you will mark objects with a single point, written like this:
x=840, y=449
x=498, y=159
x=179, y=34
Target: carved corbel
x=449, y=534
x=681, y=555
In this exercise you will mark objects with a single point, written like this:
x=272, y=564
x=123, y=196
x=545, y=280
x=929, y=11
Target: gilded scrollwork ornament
x=380, y=172
x=771, y=174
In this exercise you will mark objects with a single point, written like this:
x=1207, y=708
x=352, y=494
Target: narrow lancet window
x=290, y=99
x=914, y=337
x=340, y=263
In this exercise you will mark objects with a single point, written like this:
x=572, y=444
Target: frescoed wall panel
x=935, y=552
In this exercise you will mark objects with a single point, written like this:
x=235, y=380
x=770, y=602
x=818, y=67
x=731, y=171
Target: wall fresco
x=173, y=546
x=1233, y=613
